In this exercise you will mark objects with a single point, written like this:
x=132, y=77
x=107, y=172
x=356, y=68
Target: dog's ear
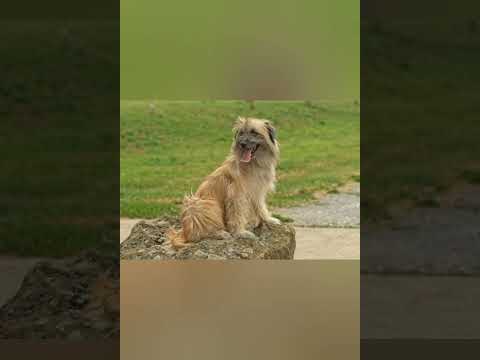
x=238, y=124
x=271, y=131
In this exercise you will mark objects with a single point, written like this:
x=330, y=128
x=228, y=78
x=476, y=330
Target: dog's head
x=254, y=140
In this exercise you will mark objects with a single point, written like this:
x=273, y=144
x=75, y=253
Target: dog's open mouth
x=248, y=154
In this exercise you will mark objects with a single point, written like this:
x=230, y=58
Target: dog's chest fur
x=258, y=181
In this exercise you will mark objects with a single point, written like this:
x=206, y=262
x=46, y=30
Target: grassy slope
x=414, y=142
x=58, y=158
x=167, y=152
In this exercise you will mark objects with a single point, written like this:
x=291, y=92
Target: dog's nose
x=243, y=144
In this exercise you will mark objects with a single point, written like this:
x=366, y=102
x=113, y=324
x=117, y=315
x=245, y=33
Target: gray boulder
x=70, y=299
x=147, y=241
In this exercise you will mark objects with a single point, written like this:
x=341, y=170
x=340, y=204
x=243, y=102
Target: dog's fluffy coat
x=231, y=200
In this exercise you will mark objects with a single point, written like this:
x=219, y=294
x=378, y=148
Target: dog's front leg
x=264, y=215
x=235, y=218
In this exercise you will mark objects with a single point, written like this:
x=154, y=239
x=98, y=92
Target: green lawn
x=420, y=110
x=167, y=149
x=59, y=164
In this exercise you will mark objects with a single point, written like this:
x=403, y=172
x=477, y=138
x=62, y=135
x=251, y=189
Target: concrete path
x=12, y=271
x=340, y=210
x=326, y=229
x=126, y=226
x=442, y=239
x=327, y=243
x=441, y=307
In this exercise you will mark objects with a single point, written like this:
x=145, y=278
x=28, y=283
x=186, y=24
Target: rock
x=112, y=306
x=151, y=232
x=58, y=300
x=75, y=336
x=41, y=322
x=272, y=242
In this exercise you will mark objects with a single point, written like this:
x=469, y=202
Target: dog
x=232, y=200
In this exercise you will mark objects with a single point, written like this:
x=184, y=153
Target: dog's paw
x=245, y=234
x=222, y=235
x=273, y=221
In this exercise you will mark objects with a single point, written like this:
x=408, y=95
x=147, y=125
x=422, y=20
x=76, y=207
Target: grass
x=420, y=84
x=59, y=147
x=167, y=148
x=283, y=218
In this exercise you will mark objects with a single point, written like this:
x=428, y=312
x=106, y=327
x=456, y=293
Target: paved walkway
x=326, y=229
x=443, y=239
x=327, y=243
x=12, y=271
x=126, y=226
x=441, y=307
x=440, y=240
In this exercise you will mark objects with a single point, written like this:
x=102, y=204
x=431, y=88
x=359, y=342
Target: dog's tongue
x=246, y=156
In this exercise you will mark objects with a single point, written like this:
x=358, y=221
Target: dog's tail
x=176, y=238
x=200, y=218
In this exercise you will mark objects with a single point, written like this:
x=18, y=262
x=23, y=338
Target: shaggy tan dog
x=232, y=199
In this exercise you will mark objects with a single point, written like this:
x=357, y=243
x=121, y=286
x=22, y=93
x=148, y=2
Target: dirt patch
x=462, y=195
x=350, y=188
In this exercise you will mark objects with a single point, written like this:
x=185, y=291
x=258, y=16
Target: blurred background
x=240, y=50
x=420, y=170
x=237, y=310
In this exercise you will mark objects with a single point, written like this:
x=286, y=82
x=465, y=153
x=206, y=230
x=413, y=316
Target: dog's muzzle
x=247, y=150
